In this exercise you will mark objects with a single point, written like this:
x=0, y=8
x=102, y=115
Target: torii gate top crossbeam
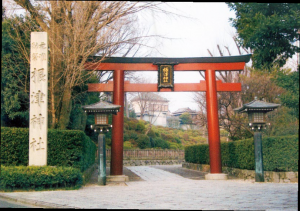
x=226, y=63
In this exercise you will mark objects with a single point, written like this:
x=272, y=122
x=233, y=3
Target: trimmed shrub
x=279, y=154
x=38, y=178
x=65, y=148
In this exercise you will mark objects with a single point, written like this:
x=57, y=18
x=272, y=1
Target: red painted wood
x=213, y=123
x=116, y=165
x=179, y=87
x=152, y=67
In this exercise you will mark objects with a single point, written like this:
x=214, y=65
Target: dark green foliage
x=160, y=143
x=269, y=29
x=14, y=75
x=185, y=118
x=197, y=154
x=132, y=114
x=39, y=178
x=279, y=154
x=78, y=118
x=143, y=141
x=65, y=148
x=140, y=127
x=290, y=82
x=14, y=146
x=151, y=134
x=283, y=122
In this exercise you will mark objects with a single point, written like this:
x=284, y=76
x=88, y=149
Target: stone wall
x=148, y=162
x=248, y=175
x=149, y=154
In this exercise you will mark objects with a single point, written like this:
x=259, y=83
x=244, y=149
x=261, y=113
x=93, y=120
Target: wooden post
x=213, y=122
x=116, y=164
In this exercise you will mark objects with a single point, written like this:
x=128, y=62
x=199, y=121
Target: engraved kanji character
x=32, y=144
x=40, y=142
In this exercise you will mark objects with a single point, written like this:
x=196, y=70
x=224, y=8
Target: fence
x=149, y=154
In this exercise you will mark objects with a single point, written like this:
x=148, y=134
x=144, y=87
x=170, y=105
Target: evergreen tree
x=270, y=29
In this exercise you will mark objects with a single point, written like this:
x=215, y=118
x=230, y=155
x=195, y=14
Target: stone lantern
x=256, y=111
x=101, y=110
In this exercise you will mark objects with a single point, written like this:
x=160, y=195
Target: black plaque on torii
x=165, y=75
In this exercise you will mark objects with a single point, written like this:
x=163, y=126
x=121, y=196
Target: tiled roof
x=257, y=105
x=184, y=110
x=101, y=107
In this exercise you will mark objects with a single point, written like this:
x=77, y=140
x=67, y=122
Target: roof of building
x=256, y=105
x=101, y=107
x=150, y=97
x=183, y=110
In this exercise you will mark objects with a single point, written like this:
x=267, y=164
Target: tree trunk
x=66, y=107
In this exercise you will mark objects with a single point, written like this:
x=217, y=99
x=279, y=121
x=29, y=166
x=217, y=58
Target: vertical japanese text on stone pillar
x=38, y=114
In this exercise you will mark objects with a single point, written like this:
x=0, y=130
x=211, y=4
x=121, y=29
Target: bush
x=140, y=127
x=151, y=134
x=279, y=154
x=128, y=145
x=160, y=143
x=126, y=136
x=65, y=148
x=38, y=178
x=176, y=146
x=143, y=141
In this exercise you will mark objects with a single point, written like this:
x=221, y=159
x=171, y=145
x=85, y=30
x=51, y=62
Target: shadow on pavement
x=132, y=176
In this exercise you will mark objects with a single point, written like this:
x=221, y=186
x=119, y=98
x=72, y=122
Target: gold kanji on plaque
x=165, y=76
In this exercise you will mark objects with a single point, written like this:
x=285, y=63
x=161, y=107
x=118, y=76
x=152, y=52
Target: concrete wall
x=249, y=175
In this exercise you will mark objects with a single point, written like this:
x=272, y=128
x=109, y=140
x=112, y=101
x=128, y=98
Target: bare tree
x=77, y=30
x=227, y=101
x=253, y=84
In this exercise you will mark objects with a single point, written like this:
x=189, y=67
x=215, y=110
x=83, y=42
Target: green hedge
x=65, y=148
x=39, y=178
x=279, y=154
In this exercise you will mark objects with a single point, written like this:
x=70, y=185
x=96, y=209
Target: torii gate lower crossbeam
x=211, y=86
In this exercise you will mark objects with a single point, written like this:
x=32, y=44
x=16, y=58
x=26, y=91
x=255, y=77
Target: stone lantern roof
x=257, y=105
x=102, y=107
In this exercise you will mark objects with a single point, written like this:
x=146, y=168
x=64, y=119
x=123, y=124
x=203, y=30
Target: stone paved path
x=164, y=190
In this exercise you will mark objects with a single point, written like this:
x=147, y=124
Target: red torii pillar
x=213, y=123
x=211, y=86
x=116, y=162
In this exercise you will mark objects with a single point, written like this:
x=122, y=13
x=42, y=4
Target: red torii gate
x=210, y=85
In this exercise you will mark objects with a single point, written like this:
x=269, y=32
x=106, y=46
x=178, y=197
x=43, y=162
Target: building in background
x=151, y=107
x=177, y=116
